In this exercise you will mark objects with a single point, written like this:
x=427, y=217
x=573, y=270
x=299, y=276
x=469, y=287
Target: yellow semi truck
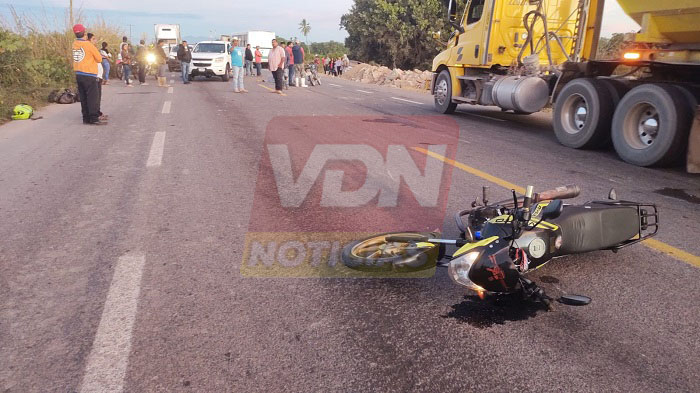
x=525, y=55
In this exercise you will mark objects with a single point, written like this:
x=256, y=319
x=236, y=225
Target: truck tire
x=443, y=93
x=651, y=125
x=225, y=77
x=583, y=114
x=617, y=89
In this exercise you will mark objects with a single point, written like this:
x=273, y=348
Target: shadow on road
x=493, y=311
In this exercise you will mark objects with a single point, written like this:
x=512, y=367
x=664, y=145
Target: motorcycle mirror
x=574, y=300
x=553, y=210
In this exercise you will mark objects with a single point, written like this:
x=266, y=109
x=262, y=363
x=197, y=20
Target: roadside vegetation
x=35, y=58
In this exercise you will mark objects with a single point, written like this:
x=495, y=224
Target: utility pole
x=71, y=13
x=130, y=26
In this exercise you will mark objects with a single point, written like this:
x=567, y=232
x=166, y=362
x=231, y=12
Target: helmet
x=22, y=112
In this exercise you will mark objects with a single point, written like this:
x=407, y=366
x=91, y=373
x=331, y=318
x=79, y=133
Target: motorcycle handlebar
x=563, y=192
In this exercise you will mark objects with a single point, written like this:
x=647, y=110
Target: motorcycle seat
x=596, y=226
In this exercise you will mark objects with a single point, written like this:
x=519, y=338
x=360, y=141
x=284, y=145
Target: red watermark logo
x=324, y=181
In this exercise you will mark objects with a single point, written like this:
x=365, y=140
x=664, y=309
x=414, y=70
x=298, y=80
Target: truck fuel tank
x=527, y=94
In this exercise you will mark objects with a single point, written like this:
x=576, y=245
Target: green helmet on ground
x=22, y=112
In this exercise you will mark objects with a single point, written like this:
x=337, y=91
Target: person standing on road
x=185, y=57
x=126, y=65
x=100, y=77
x=237, y=55
x=338, y=67
x=142, y=62
x=85, y=60
x=290, y=62
x=106, y=57
x=276, y=60
x=248, y=61
x=258, y=61
x=298, y=53
x=162, y=64
x=287, y=69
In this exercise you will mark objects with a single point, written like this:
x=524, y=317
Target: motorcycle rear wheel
x=375, y=254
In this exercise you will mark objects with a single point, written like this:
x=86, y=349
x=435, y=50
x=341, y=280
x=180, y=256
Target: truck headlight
x=220, y=59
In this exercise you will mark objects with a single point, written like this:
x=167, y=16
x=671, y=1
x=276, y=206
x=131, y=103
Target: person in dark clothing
x=185, y=56
x=248, y=61
x=141, y=53
x=86, y=58
x=162, y=64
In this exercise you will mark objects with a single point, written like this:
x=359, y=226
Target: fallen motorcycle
x=501, y=242
x=311, y=72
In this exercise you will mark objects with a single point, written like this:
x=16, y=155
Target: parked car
x=211, y=58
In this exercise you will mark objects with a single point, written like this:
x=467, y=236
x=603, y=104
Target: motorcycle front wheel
x=376, y=254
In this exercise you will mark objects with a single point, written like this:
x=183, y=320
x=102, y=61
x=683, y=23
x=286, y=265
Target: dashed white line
x=155, y=157
x=334, y=85
x=109, y=357
x=172, y=81
x=405, y=100
x=166, y=106
x=170, y=90
x=482, y=116
x=365, y=91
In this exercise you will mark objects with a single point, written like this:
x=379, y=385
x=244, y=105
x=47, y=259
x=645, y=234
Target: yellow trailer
x=525, y=55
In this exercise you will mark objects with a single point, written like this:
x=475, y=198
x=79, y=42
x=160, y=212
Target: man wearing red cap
x=85, y=60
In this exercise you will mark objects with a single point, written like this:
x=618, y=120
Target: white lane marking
x=170, y=90
x=334, y=85
x=482, y=116
x=155, y=157
x=166, y=107
x=365, y=91
x=108, y=359
x=405, y=100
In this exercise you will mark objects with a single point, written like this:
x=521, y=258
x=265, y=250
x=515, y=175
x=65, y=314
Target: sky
x=204, y=19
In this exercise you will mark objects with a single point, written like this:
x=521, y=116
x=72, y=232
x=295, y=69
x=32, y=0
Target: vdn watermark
x=313, y=197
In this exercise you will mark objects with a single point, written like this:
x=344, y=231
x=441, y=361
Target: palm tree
x=305, y=28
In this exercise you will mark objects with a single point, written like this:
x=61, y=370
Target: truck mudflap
x=432, y=82
x=693, y=160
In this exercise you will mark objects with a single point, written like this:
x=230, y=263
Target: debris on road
x=381, y=75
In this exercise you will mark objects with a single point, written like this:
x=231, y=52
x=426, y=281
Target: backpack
x=67, y=96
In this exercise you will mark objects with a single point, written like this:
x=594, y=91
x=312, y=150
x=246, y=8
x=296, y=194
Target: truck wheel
x=651, y=125
x=617, y=89
x=583, y=113
x=225, y=77
x=443, y=93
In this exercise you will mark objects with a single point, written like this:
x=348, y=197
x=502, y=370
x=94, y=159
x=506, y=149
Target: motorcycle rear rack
x=647, y=227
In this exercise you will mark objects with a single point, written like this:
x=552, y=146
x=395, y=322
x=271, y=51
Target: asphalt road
x=121, y=257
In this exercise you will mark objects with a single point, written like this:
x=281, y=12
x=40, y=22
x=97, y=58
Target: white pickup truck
x=211, y=58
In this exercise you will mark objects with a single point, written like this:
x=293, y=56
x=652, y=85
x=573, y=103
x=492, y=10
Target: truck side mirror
x=452, y=11
x=452, y=16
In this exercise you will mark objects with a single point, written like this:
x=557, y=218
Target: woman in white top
x=106, y=65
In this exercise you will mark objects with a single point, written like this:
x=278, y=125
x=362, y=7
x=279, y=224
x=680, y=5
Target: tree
x=395, y=33
x=611, y=47
x=305, y=28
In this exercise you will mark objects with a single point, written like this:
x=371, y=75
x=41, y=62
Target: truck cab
x=526, y=55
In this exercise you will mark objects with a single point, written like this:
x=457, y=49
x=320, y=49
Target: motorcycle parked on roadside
x=501, y=242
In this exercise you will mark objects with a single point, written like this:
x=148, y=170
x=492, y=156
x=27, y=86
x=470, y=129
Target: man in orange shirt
x=85, y=60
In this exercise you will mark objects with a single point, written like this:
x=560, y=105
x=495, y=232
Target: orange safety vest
x=85, y=58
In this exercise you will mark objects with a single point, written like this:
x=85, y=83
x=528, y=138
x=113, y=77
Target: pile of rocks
x=413, y=80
